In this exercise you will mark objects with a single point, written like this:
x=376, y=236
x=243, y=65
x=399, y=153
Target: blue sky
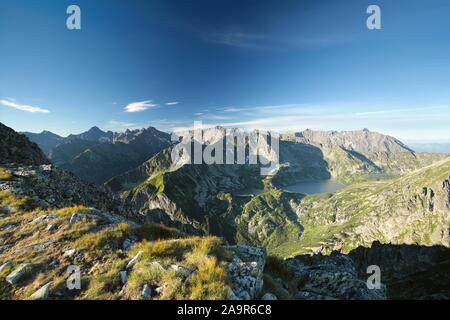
x=285, y=66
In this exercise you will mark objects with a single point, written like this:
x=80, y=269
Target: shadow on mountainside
x=407, y=272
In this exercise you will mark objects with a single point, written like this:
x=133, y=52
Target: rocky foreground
x=121, y=258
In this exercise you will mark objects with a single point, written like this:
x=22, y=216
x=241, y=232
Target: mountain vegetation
x=165, y=230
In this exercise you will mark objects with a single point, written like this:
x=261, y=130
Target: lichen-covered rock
x=331, y=277
x=269, y=296
x=245, y=272
x=15, y=276
x=42, y=293
x=16, y=148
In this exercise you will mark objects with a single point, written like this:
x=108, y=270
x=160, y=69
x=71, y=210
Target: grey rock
x=245, y=271
x=44, y=218
x=5, y=265
x=69, y=253
x=51, y=227
x=182, y=271
x=41, y=246
x=15, y=276
x=76, y=217
x=269, y=296
x=42, y=293
x=123, y=276
x=127, y=244
x=146, y=292
x=133, y=261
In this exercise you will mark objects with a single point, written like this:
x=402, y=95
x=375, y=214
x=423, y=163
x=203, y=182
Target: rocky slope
x=50, y=220
x=237, y=203
x=353, y=156
x=16, y=148
x=412, y=209
x=97, y=156
x=103, y=161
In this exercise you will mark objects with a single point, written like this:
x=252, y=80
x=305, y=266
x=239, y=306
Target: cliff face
x=16, y=148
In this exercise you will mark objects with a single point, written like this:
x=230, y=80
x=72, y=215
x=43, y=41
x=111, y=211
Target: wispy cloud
x=236, y=38
x=23, y=107
x=120, y=125
x=173, y=103
x=278, y=40
x=140, y=106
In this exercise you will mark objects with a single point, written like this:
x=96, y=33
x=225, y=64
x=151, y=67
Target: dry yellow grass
x=4, y=175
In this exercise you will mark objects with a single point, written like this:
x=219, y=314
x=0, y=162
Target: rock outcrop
x=16, y=148
x=245, y=272
x=51, y=187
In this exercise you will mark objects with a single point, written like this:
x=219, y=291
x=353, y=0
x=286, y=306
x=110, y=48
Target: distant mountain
x=16, y=148
x=210, y=199
x=93, y=134
x=46, y=140
x=100, y=161
x=96, y=155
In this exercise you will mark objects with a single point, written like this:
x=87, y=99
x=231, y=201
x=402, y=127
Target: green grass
x=5, y=175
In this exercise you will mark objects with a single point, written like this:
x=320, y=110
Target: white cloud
x=173, y=103
x=23, y=107
x=140, y=106
x=113, y=124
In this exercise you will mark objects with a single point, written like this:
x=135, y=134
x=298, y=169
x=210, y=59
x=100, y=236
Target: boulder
x=123, y=276
x=269, y=296
x=42, y=293
x=44, y=218
x=5, y=265
x=182, y=271
x=245, y=271
x=76, y=217
x=69, y=253
x=134, y=260
x=146, y=292
x=15, y=276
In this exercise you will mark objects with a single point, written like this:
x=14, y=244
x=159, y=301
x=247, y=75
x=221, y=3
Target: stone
x=245, y=272
x=51, y=227
x=76, y=217
x=146, y=292
x=5, y=265
x=123, y=276
x=182, y=271
x=269, y=296
x=41, y=245
x=42, y=293
x=127, y=244
x=44, y=218
x=134, y=260
x=15, y=276
x=69, y=253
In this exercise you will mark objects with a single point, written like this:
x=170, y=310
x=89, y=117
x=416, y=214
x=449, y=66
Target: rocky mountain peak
x=16, y=148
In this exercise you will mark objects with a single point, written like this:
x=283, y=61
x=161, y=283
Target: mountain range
x=97, y=156
x=223, y=231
